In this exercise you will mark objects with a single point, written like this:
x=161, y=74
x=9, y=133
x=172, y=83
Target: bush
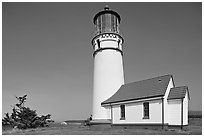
x=23, y=117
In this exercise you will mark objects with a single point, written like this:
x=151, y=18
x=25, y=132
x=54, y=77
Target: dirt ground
x=194, y=128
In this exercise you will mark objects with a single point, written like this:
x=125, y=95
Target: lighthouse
x=108, y=60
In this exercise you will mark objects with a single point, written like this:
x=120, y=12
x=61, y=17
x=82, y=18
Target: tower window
x=99, y=24
x=122, y=112
x=103, y=22
x=119, y=44
x=112, y=23
x=146, y=110
x=98, y=42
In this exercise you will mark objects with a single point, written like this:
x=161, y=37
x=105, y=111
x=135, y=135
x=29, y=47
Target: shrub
x=23, y=117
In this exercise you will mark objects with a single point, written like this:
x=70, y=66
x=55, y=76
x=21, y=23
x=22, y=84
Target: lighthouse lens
x=107, y=23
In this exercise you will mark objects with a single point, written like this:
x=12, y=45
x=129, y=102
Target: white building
x=154, y=101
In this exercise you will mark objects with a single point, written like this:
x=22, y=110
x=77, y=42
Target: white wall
x=185, y=110
x=172, y=111
x=166, y=110
x=174, y=108
x=108, y=112
x=108, y=75
x=134, y=113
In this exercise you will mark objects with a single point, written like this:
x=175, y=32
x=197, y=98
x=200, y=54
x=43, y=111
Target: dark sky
x=47, y=51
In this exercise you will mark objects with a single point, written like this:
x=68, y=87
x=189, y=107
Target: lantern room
x=106, y=21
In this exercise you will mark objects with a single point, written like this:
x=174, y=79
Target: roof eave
x=134, y=99
x=188, y=93
x=175, y=98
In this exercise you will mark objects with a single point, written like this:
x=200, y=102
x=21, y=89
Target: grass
x=194, y=128
x=195, y=114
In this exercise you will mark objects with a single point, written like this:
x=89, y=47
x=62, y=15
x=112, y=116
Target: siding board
x=134, y=113
x=174, y=112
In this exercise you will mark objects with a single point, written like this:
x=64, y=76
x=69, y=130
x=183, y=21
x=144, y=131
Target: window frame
x=122, y=112
x=146, y=110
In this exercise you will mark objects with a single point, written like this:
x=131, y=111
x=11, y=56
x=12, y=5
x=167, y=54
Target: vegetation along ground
x=194, y=128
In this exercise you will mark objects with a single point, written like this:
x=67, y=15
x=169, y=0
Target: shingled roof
x=178, y=92
x=153, y=87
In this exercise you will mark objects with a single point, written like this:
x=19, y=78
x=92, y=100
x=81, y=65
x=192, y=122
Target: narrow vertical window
x=118, y=44
x=103, y=22
x=122, y=111
x=98, y=43
x=108, y=22
x=112, y=21
x=146, y=110
x=99, y=24
x=116, y=24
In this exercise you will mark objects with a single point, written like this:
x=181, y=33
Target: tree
x=23, y=117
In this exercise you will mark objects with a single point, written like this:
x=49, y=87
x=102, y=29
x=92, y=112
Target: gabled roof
x=149, y=88
x=178, y=92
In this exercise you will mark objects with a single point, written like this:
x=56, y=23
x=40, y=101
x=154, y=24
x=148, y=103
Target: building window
x=146, y=110
x=122, y=112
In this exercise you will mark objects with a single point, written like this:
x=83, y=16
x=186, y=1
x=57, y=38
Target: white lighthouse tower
x=108, y=60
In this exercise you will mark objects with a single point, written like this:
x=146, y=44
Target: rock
x=63, y=123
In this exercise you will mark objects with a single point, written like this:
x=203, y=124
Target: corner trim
x=162, y=113
x=111, y=114
x=182, y=113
